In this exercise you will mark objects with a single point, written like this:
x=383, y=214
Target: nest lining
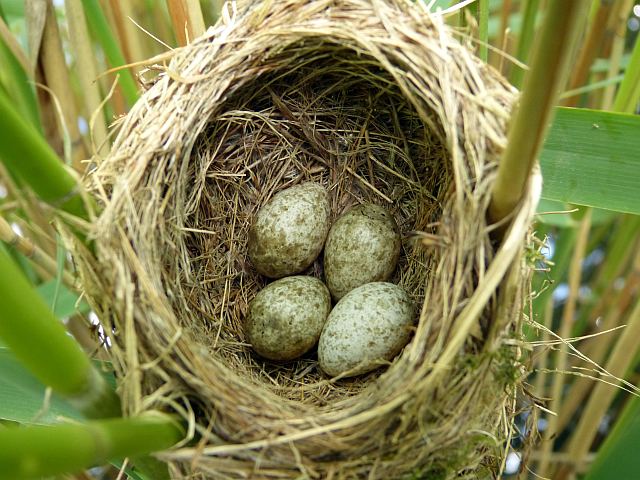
x=378, y=102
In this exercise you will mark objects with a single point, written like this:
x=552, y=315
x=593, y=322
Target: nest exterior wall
x=379, y=102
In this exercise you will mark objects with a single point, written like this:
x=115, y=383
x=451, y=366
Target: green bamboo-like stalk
x=525, y=39
x=17, y=79
x=26, y=154
x=100, y=27
x=483, y=29
x=40, y=342
x=37, y=451
x=629, y=93
x=549, y=69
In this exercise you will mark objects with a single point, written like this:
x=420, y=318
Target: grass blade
x=22, y=396
x=618, y=457
x=590, y=158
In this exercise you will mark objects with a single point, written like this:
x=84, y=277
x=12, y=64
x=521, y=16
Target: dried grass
x=379, y=102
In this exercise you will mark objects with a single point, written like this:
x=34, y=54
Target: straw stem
x=87, y=72
x=575, y=276
x=37, y=451
x=549, y=69
x=186, y=16
x=619, y=20
x=32, y=252
x=100, y=27
x=590, y=48
x=622, y=357
x=57, y=78
x=40, y=342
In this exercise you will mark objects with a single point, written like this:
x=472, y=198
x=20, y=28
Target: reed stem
x=187, y=19
x=549, y=69
x=590, y=49
x=620, y=360
x=87, y=73
x=629, y=92
x=37, y=451
x=100, y=27
x=575, y=276
x=26, y=154
x=40, y=342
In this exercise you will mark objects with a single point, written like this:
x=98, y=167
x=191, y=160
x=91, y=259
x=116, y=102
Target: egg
x=370, y=324
x=290, y=230
x=286, y=317
x=363, y=246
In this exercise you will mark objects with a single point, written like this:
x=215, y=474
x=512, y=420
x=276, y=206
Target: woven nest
x=380, y=103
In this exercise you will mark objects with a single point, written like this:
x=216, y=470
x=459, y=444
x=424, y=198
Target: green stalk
x=100, y=27
x=40, y=342
x=525, y=39
x=551, y=63
x=37, y=451
x=483, y=29
x=629, y=93
x=17, y=83
x=26, y=154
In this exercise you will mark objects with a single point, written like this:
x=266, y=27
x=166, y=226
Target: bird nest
x=377, y=101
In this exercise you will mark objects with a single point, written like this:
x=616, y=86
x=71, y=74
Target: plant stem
x=619, y=21
x=26, y=154
x=483, y=29
x=186, y=16
x=37, y=451
x=575, y=276
x=85, y=66
x=100, y=27
x=629, y=92
x=621, y=359
x=549, y=69
x=57, y=78
x=39, y=340
x=590, y=49
x=525, y=39
x=32, y=251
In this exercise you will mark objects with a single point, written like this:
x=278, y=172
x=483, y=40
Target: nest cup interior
x=332, y=116
x=379, y=103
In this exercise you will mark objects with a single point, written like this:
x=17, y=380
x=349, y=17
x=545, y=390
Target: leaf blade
x=590, y=158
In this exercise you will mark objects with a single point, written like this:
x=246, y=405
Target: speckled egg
x=290, y=230
x=286, y=317
x=363, y=246
x=369, y=325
